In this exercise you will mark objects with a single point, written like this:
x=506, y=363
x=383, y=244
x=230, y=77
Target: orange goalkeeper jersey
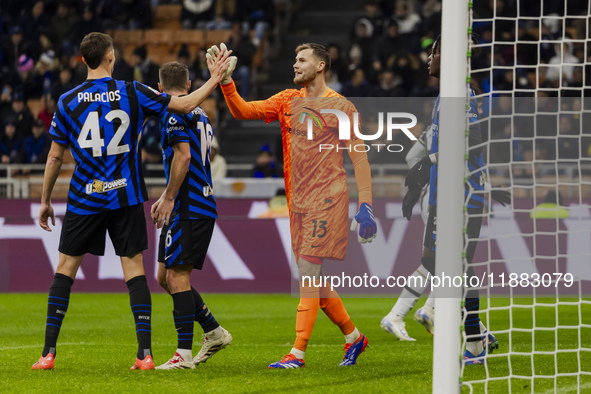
x=314, y=178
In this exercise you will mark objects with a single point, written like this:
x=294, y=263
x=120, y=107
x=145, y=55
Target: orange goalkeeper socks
x=332, y=305
x=306, y=317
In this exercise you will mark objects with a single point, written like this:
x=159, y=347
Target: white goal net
x=529, y=66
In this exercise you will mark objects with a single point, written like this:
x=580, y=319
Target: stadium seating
x=168, y=16
x=217, y=36
x=128, y=37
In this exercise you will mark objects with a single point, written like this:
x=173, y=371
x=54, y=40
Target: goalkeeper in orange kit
x=316, y=188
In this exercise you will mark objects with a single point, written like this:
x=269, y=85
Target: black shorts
x=83, y=234
x=185, y=242
x=472, y=230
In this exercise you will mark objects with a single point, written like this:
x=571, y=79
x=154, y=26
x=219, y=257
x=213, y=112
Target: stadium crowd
x=389, y=44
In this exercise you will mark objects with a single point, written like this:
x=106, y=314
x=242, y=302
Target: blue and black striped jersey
x=476, y=179
x=102, y=121
x=195, y=197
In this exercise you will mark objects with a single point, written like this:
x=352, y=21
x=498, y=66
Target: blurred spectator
x=6, y=101
x=258, y=15
x=225, y=14
x=219, y=168
x=90, y=22
x=25, y=69
x=357, y=86
x=387, y=47
x=22, y=115
x=64, y=82
x=122, y=70
x=200, y=66
x=568, y=139
x=244, y=50
x=364, y=42
x=10, y=144
x=46, y=41
x=266, y=166
x=33, y=22
x=388, y=85
x=36, y=146
x=13, y=48
x=562, y=64
x=46, y=67
x=145, y=71
x=46, y=115
x=63, y=25
x=126, y=14
x=332, y=81
x=338, y=64
x=78, y=68
x=184, y=57
x=407, y=20
x=373, y=17
x=406, y=67
x=196, y=13
x=408, y=23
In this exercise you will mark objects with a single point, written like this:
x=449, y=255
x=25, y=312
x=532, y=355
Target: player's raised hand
x=366, y=223
x=419, y=174
x=213, y=52
x=45, y=213
x=218, y=62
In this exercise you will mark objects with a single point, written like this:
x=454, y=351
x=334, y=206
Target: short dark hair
x=174, y=76
x=437, y=45
x=318, y=50
x=94, y=47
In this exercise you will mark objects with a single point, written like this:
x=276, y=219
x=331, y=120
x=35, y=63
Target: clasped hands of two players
x=418, y=177
x=213, y=52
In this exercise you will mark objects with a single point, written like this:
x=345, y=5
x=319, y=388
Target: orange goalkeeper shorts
x=322, y=233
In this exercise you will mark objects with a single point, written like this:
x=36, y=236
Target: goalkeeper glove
x=366, y=223
x=419, y=174
x=213, y=52
x=501, y=196
x=410, y=199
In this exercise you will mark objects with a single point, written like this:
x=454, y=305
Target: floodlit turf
x=97, y=346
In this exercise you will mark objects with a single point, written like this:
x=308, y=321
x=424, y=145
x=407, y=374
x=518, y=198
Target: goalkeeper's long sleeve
x=362, y=174
x=239, y=108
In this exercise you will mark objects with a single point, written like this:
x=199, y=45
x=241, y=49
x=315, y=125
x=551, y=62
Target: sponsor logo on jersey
x=315, y=118
x=173, y=125
x=98, y=186
x=200, y=111
x=104, y=97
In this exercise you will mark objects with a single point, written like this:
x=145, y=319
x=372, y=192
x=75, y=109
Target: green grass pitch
x=97, y=346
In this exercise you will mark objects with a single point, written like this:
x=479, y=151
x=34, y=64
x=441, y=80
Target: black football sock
x=202, y=315
x=472, y=324
x=57, y=305
x=184, y=318
x=141, y=307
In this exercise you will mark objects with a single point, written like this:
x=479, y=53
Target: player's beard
x=302, y=79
